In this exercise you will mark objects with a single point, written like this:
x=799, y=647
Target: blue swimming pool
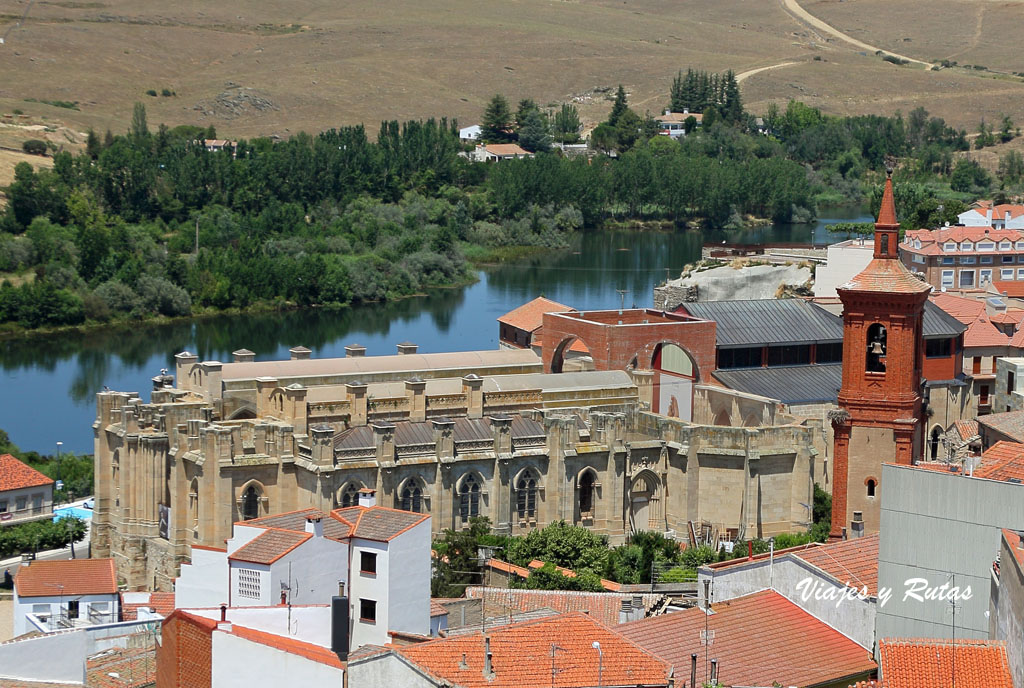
x=77, y=511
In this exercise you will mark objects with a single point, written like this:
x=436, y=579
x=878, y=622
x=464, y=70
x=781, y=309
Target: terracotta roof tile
x=1010, y=423
x=912, y=663
x=888, y=276
x=378, y=522
x=295, y=521
x=759, y=640
x=522, y=656
x=1011, y=288
x=1003, y=461
x=1011, y=316
x=73, y=576
x=603, y=606
x=853, y=562
x=933, y=240
x=530, y=316
x=1016, y=542
x=966, y=428
x=132, y=668
x=611, y=586
x=292, y=646
x=15, y=474
x=963, y=309
x=269, y=546
x=982, y=332
x=998, y=211
x=160, y=602
x=506, y=149
x=437, y=609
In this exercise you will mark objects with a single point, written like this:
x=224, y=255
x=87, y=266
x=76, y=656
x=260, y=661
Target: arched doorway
x=571, y=354
x=643, y=498
x=586, y=496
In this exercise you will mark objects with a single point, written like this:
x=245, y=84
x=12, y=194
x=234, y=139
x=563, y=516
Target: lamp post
x=59, y=445
x=600, y=661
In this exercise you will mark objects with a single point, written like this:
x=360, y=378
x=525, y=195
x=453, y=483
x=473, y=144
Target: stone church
x=454, y=435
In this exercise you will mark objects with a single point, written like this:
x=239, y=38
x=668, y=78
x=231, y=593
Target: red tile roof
x=932, y=240
x=378, y=522
x=913, y=663
x=1009, y=423
x=759, y=640
x=437, y=609
x=16, y=475
x=1011, y=316
x=853, y=562
x=888, y=276
x=269, y=546
x=1003, y=461
x=963, y=309
x=69, y=577
x=292, y=646
x=1011, y=288
x=530, y=316
x=611, y=586
x=160, y=602
x=1016, y=543
x=998, y=211
x=966, y=428
x=522, y=656
x=132, y=668
x=603, y=606
x=503, y=149
x=982, y=333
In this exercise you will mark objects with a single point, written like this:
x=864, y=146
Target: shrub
x=166, y=92
x=118, y=297
x=151, y=92
x=34, y=147
x=39, y=536
x=161, y=296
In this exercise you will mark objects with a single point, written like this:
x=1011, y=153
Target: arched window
x=250, y=503
x=526, y=496
x=193, y=497
x=871, y=487
x=885, y=244
x=875, y=362
x=722, y=418
x=349, y=496
x=411, y=497
x=933, y=443
x=587, y=495
x=469, y=498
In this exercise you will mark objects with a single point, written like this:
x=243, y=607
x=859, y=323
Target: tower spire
x=887, y=227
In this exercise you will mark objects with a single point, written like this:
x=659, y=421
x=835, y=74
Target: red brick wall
x=184, y=656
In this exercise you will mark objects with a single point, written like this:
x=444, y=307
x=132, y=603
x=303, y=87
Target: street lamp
x=600, y=661
x=59, y=445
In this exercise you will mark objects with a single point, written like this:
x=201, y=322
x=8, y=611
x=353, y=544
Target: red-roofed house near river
x=25, y=493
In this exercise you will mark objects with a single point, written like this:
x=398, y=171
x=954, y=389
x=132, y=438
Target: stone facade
x=522, y=449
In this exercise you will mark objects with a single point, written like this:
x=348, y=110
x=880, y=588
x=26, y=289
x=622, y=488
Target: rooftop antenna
x=554, y=671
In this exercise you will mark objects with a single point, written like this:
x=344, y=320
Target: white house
x=379, y=558
x=673, y=124
x=496, y=152
x=25, y=493
x=845, y=260
x=57, y=595
x=470, y=134
x=985, y=214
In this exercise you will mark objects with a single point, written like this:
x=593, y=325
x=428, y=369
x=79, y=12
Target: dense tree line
x=698, y=91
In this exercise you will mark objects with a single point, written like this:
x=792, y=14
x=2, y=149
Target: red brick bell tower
x=880, y=417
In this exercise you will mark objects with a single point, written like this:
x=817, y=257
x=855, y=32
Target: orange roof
x=378, y=523
x=853, y=562
x=759, y=640
x=121, y=668
x=963, y=309
x=1011, y=316
x=522, y=656
x=611, y=586
x=933, y=240
x=887, y=211
x=966, y=428
x=1016, y=543
x=1003, y=461
x=505, y=567
x=530, y=315
x=603, y=606
x=16, y=475
x=69, y=577
x=1011, y=288
x=502, y=149
x=160, y=602
x=577, y=344
x=982, y=332
x=912, y=663
x=998, y=211
x=437, y=609
x=269, y=546
x=316, y=653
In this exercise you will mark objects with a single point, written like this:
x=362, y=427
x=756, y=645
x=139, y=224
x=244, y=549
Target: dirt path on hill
x=751, y=72
x=806, y=17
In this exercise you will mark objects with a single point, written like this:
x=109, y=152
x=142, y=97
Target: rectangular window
x=20, y=503
x=947, y=278
x=249, y=583
x=976, y=366
x=949, y=247
x=918, y=258
x=983, y=395
x=368, y=610
x=1007, y=259
x=789, y=355
x=967, y=246
x=948, y=260
x=739, y=358
x=1005, y=274
x=984, y=277
x=3, y=507
x=985, y=260
x=368, y=562
x=986, y=246
x=971, y=260
x=1004, y=245
x=1020, y=273
x=829, y=353
x=1019, y=245
x=37, y=503
x=937, y=348
x=1009, y=382
x=967, y=278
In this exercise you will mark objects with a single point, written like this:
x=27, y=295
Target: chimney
x=857, y=526
x=488, y=665
x=638, y=606
x=355, y=351
x=300, y=353
x=339, y=627
x=315, y=525
x=668, y=111
x=473, y=388
x=693, y=670
x=415, y=391
x=355, y=392
x=223, y=612
x=750, y=549
x=367, y=497
x=626, y=612
x=406, y=348
x=224, y=624
x=243, y=356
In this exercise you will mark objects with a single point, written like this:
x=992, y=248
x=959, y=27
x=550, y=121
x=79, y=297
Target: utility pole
x=622, y=299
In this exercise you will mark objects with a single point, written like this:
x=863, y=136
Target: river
x=48, y=384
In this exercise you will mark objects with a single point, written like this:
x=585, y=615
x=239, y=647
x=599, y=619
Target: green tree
x=456, y=564
x=548, y=577
x=567, y=124
x=523, y=110
x=497, y=120
x=561, y=544
x=1011, y=167
x=92, y=144
x=139, y=129
x=534, y=134
x=619, y=107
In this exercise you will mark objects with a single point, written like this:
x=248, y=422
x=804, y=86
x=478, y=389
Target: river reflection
x=49, y=383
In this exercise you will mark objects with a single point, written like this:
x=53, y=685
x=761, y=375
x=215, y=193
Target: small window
x=368, y=611
x=20, y=503
x=937, y=348
x=1019, y=246
x=1006, y=259
x=983, y=395
x=985, y=260
x=976, y=365
x=1020, y=273
x=949, y=247
x=3, y=507
x=967, y=246
x=1010, y=389
x=947, y=278
x=249, y=583
x=368, y=562
x=968, y=260
x=967, y=278
x=984, y=277
x=871, y=488
x=1004, y=245
x=986, y=246
x=948, y=260
x=918, y=258
x=1006, y=274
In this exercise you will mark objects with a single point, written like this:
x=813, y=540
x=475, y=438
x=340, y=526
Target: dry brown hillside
x=268, y=67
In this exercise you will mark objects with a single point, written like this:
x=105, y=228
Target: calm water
x=48, y=384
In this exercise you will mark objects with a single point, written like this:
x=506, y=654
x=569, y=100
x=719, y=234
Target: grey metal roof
x=789, y=384
x=938, y=324
x=471, y=429
x=758, y=322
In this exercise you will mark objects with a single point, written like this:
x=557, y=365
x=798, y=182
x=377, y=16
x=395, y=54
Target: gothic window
x=469, y=498
x=349, y=496
x=933, y=443
x=587, y=495
x=250, y=503
x=411, y=497
x=193, y=498
x=871, y=487
x=876, y=349
x=526, y=496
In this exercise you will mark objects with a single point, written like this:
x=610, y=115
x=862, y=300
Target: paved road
x=800, y=13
